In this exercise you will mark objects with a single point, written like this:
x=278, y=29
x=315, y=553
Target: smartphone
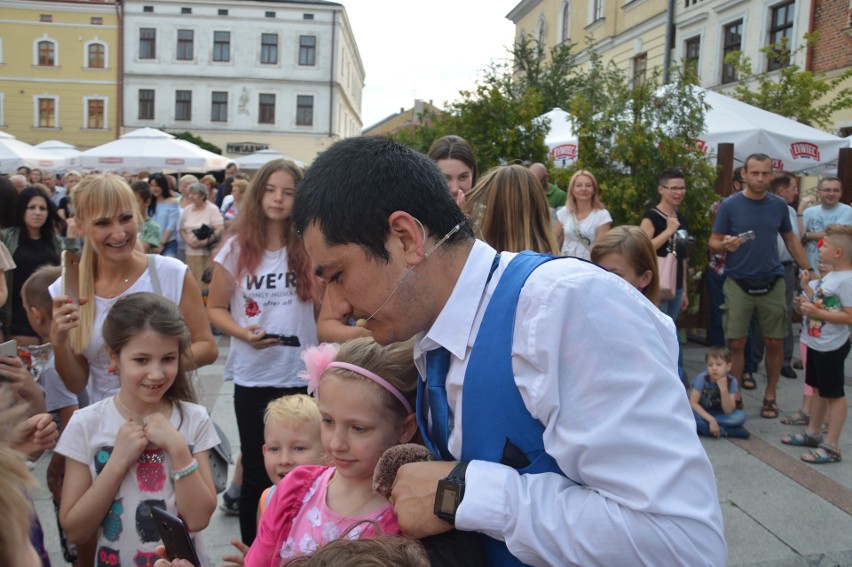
x=749, y=235
x=286, y=340
x=71, y=275
x=175, y=536
x=9, y=348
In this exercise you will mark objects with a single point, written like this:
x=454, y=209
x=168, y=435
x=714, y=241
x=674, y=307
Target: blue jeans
x=671, y=307
x=170, y=249
x=730, y=424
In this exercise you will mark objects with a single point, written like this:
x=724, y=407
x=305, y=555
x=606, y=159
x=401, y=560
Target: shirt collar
x=454, y=325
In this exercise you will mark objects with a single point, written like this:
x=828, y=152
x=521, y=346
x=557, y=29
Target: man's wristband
x=449, y=494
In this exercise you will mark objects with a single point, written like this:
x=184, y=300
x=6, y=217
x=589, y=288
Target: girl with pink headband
x=366, y=394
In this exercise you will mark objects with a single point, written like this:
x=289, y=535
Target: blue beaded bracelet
x=188, y=470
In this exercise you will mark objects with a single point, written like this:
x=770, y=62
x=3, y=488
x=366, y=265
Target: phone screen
x=71, y=275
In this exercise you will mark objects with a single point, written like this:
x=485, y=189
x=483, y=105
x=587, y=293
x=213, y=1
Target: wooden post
x=725, y=169
x=844, y=172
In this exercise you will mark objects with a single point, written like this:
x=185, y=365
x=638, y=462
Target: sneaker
x=788, y=372
x=738, y=432
x=230, y=506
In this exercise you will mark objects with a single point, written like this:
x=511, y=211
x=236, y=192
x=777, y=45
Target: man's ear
x=409, y=236
x=409, y=428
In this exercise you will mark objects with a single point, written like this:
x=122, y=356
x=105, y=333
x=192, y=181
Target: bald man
x=555, y=195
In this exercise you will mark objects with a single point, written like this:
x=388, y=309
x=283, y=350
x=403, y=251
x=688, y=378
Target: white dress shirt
x=596, y=363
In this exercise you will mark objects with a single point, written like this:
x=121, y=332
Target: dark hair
x=51, y=226
x=722, y=352
x=134, y=313
x=8, y=200
x=780, y=181
x=668, y=174
x=354, y=186
x=165, y=191
x=738, y=174
x=756, y=157
x=143, y=190
x=454, y=147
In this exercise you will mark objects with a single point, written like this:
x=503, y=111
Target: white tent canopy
x=259, y=158
x=70, y=154
x=561, y=140
x=15, y=153
x=151, y=149
x=791, y=145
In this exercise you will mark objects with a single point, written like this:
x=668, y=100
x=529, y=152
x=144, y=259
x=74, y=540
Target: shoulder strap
x=152, y=273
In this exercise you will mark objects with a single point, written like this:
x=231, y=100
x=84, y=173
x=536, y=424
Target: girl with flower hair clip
x=366, y=395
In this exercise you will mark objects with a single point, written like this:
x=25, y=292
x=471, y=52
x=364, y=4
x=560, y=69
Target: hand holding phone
x=746, y=236
x=285, y=340
x=71, y=275
x=9, y=348
x=175, y=536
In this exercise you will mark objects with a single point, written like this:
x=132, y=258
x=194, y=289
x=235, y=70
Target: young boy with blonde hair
x=713, y=398
x=825, y=331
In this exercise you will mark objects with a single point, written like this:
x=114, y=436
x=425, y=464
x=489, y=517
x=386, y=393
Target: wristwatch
x=450, y=493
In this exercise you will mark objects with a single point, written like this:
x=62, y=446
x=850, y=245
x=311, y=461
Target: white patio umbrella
x=259, y=158
x=70, y=154
x=151, y=149
x=15, y=153
x=791, y=145
x=561, y=139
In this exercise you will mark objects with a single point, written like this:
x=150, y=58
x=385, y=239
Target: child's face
x=718, y=367
x=287, y=446
x=356, y=429
x=147, y=366
x=619, y=265
x=829, y=252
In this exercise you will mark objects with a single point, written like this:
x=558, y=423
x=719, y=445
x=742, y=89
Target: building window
x=640, y=68
x=95, y=113
x=147, y=43
x=184, y=45
x=566, y=21
x=96, y=21
x=223, y=12
x=46, y=112
x=186, y=10
x=269, y=15
x=732, y=40
x=596, y=10
x=183, y=105
x=219, y=107
x=96, y=56
x=307, y=16
x=266, y=114
x=147, y=9
x=221, y=46
x=269, y=48
x=307, y=49
x=45, y=18
x=304, y=110
x=46, y=53
x=146, y=104
x=781, y=34
x=692, y=52
x=688, y=3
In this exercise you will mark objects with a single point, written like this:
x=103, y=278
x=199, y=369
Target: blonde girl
x=366, y=395
x=627, y=252
x=145, y=447
x=112, y=266
x=263, y=284
x=584, y=218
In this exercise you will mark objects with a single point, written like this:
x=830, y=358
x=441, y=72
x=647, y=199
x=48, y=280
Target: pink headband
x=320, y=358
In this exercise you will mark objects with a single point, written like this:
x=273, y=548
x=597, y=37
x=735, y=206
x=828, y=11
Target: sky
x=428, y=49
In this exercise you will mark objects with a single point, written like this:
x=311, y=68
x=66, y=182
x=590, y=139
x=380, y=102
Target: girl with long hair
x=112, y=266
x=584, y=218
x=165, y=211
x=263, y=294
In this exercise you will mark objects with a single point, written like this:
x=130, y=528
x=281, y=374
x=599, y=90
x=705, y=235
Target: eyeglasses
x=676, y=189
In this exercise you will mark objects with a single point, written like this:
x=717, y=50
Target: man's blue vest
x=497, y=426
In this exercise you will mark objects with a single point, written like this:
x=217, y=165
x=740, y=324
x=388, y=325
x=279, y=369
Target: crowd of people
x=404, y=302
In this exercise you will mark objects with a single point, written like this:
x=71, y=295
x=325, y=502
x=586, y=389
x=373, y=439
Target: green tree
x=198, y=141
x=790, y=91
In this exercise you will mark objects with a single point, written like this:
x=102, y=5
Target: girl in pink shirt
x=366, y=394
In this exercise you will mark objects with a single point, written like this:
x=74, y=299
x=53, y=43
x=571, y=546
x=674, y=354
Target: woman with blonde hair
x=584, y=218
x=627, y=252
x=112, y=266
x=510, y=211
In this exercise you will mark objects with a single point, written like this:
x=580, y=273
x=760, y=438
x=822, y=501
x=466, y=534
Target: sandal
x=748, y=381
x=803, y=439
x=823, y=454
x=769, y=410
x=798, y=418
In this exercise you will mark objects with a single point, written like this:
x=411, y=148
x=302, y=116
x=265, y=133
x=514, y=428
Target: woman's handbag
x=667, y=270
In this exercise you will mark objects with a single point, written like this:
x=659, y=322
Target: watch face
x=449, y=499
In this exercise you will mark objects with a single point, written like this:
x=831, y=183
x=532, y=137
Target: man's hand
x=731, y=243
x=413, y=498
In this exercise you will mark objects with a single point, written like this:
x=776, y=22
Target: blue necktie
x=437, y=365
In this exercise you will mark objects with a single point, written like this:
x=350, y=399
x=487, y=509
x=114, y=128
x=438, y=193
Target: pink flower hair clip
x=317, y=359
